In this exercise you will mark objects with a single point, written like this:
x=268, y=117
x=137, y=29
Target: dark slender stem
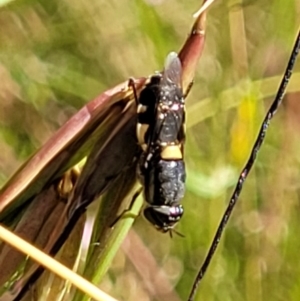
x=262, y=133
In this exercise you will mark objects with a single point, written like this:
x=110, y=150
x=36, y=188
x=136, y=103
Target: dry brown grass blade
x=54, y=156
x=192, y=49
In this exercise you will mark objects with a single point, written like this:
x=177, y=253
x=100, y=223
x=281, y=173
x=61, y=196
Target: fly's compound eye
x=164, y=218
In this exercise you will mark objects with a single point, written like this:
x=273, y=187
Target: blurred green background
x=55, y=56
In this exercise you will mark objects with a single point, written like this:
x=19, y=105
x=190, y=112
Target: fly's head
x=164, y=218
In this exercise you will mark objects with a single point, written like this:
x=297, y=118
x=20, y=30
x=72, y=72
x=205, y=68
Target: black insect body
x=160, y=132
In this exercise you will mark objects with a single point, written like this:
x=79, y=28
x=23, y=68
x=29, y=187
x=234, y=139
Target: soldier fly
x=160, y=132
x=160, y=135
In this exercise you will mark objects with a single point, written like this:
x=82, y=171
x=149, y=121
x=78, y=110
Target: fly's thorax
x=171, y=95
x=168, y=129
x=171, y=125
x=161, y=114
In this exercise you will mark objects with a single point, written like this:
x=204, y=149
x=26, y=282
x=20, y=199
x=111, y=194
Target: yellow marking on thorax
x=170, y=152
x=144, y=147
x=141, y=109
x=141, y=130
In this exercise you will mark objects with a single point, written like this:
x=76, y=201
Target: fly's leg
x=128, y=212
x=131, y=84
x=188, y=89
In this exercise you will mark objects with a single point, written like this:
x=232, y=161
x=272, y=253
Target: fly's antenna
x=243, y=175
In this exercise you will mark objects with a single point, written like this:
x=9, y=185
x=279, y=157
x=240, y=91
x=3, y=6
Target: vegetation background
x=55, y=56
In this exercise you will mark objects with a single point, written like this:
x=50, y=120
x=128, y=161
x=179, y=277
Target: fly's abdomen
x=165, y=181
x=164, y=186
x=171, y=177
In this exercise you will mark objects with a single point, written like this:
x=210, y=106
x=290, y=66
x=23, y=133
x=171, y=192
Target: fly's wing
x=172, y=74
x=169, y=117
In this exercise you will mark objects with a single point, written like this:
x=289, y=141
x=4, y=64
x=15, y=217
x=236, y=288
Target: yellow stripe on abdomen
x=171, y=152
